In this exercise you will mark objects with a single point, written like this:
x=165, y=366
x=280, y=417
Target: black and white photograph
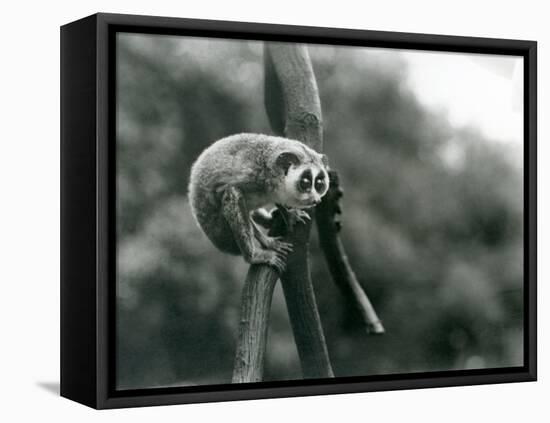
x=291, y=211
x=278, y=211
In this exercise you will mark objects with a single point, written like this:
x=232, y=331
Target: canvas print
x=403, y=199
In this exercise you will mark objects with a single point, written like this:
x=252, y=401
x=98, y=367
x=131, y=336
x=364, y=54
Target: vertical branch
x=294, y=109
x=340, y=269
x=253, y=324
x=291, y=95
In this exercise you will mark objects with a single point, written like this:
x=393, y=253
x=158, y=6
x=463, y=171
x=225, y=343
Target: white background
x=29, y=189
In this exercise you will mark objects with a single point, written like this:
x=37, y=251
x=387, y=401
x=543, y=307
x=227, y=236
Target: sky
x=484, y=91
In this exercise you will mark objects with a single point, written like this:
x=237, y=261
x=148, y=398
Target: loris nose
x=316, y=200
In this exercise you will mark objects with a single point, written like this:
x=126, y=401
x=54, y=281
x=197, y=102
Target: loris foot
x=275, y=244
x=273, y=258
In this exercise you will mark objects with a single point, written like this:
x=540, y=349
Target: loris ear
x=286, y=159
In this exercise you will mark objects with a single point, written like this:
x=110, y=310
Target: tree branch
x=291, y=95
x=293, y=107
x=253, y=325
x=340, y=269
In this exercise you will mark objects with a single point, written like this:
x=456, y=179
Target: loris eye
x=319, y=185
x=305, y=183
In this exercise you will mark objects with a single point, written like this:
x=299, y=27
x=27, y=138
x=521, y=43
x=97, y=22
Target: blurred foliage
x=432, y=220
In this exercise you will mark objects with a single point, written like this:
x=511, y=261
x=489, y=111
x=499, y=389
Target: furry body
x=240, y=174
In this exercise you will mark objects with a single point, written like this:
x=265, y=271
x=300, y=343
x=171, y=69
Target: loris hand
x=294, y=216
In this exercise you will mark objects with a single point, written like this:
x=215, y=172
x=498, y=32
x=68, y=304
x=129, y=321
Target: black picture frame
x=87, y=210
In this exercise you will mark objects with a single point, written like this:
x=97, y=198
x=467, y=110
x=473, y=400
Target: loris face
x=304, y=185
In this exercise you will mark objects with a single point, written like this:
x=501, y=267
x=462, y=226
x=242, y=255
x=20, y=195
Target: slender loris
x=235, y=179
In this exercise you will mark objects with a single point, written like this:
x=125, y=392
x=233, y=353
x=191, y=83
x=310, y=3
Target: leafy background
x=433, y=220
